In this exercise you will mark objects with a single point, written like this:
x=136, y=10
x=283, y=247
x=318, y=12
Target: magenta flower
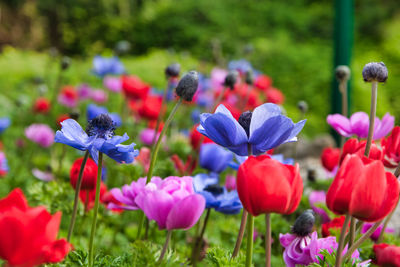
x=46, y=176
x=41, y=134
x=114, y=84
x=99, y=96
x=305, y=250
x=319, y=197
x=127, y=195
x=218, y=78
x=230, y=182
x=146, y=136
x=377, y=233
x=358, y=125
x=84, y=91
x=172, y=203
x=3, y=164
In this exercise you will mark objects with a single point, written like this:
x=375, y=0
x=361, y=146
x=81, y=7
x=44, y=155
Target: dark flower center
x=102, y=126
x=244, y=121
x=304, y=223
x=214, y=189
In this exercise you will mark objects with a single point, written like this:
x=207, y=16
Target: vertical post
x=343, y=43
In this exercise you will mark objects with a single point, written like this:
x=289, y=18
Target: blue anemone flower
x=99, y=137
x=241, y=65
x=93, y=111
x=4, y=124
x=217, y=197
x=214, y=158
x=103, y=66
x=264, y=128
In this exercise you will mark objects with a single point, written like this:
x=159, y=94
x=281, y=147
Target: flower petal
x=186, y=212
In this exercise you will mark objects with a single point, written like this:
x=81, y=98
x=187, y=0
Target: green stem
x=268, y=240
x=154, y=156
x=165, y=247
x=341, y=241
x=76, y=199
x=372, y=114
x=352, y=231
x=361, y=240
x=96, y=208
x=250, y=231
x=240, y=234
x=199, y=239
x=160, y=115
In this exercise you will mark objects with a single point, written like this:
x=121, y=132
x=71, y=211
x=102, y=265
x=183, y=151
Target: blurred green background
x=291, y=41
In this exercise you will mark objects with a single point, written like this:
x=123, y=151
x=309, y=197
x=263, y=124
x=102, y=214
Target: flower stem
x=240, y=234
x=154, y=155
x=243, y=221
x=341, y=241
x=96, y=208
x=268, y=240
x=361, y=240
x=199, y=239
x=352, y=231
x=76, y=199
x=160, y=115
x=343, y=90
x=372, y=114
x=250, y=231
x=164, y=249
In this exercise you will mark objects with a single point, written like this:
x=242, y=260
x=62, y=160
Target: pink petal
x=186, y=212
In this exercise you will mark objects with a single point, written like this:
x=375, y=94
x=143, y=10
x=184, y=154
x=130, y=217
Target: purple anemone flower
x=377, y=233
x=3, y=164
x=358, y=125
x=264, y=128
x=103, y=66
x=172, y=203
x=214, y=158
x=41, y=134
x=99, y=137
x=304, y=250
x=319, y=197
x=114, y=84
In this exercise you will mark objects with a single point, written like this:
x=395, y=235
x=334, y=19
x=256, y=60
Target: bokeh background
x=291, y=41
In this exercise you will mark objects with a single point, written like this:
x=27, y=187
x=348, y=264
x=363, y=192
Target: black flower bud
x=231, y=79
x=244, y=121
x=249, y=77
x=342, y=73
x=65, y=62
x=173, y=70
x=187, y=86
x=74, y=115
x=304, y=223
x=375, y=71
x=302, y=106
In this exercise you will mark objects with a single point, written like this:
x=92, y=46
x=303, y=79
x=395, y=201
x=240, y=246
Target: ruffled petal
x=73, y=135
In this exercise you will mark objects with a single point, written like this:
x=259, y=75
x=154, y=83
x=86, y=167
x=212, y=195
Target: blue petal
x=115, y=140
x=214, y=158
x=296, y=130
x=4, y=124
x=272, y=133
x=263, y=113
x=229, y=203
x=93, y=111
x=73, y=135
x=224, y=130
x=202, y=180
x=119, y=153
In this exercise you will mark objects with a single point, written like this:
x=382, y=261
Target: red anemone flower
x=330, y=158
x=42, y=105
x=89, y=174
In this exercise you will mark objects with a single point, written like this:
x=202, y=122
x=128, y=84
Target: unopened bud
x=65, y=62
x=375, y=71
x=342, y=73
x=173, y=70
x=304, y=223
x=187, y=86
x=302, y=106
x=231, y=79
x=249, y=77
